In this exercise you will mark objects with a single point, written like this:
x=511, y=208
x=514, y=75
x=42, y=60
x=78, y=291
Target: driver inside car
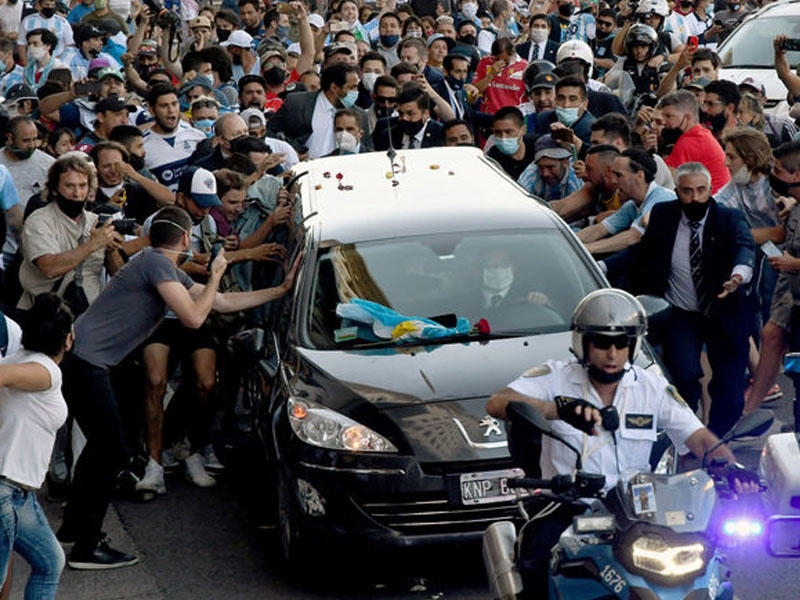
x=607, y=330
x=499, y=287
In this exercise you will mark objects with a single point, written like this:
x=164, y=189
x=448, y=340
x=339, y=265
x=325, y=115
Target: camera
x=164, y=18
x=122, y=226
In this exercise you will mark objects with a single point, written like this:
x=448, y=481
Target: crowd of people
x=136, y=141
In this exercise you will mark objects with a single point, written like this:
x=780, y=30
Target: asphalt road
x=202, y=544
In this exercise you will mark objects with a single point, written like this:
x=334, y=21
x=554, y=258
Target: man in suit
x=305, y=119
x=697, y=254
x=538, y=46
x=348, y=132
x=413, y=126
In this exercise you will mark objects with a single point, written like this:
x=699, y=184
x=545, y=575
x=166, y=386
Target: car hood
x=433, y=397
x=776, y=91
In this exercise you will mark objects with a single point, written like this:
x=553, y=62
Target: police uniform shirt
x=645, y=402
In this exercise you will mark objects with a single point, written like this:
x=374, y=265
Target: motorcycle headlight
x=664, y=557
x=326, y=428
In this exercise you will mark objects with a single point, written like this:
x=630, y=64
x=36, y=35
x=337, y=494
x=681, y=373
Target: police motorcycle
x=779, y=462
x=652, y=536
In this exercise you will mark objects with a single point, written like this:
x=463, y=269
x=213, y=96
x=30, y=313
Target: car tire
x=294, y=549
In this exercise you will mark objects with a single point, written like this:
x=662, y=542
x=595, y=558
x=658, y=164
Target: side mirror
x=248, y=344
x=654, y=306
x=531, y=422
x=755, y=423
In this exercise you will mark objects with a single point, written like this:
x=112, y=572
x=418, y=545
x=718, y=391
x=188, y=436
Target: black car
x=376, y=427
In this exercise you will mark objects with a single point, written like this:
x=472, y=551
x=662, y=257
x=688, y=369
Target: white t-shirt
x=166, y=156
x=14, y=338
x=645, y=402
x=28, y=423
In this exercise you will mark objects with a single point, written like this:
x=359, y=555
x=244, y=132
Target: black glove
x=566, y=412
x=734, y=471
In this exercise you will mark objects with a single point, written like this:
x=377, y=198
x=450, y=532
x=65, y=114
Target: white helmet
x=576, y=50
x=653, y=7
x=611, y=312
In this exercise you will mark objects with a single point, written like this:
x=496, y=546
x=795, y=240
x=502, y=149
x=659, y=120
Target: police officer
x=607, y=330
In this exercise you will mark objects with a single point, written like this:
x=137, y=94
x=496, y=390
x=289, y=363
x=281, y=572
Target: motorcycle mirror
x=653, y=306
x=754, y=423
x=523, y=415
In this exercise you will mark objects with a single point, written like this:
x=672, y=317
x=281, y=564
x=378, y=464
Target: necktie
x=413, y=143
x=695, y=262
x=535, y=55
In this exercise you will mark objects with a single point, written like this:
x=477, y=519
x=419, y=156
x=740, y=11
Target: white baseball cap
x=239, y=38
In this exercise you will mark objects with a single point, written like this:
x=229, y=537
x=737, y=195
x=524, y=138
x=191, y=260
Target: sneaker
x=168, y=461
x=212, y=462
x=196, y=472
x=101, y=556
x=153, y=481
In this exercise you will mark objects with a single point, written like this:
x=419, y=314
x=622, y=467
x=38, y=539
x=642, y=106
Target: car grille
x=436, y=515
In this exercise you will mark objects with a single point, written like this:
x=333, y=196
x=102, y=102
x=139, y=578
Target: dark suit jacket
x=293, y=120
x=380, y=137
x=727, y=242
x=550, y=50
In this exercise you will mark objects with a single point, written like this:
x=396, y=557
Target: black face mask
x=22, y=153
x=694, y=211
x=565, y=10
x=237, y=60
x=48, y=12
x=275, y=76
x=137, y=162
x=223, y=34
x=383, y=111
x=468, y=39
x=715, y=123
x=686, y=5
x=412, y=127
x=667, y=139
x=781, y=187
x=70, y=208
x=601, y=376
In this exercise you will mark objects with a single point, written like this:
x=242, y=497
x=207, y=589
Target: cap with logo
x=543, y=80
x=337, y=47
x=238, y=39
x=547, y=147
x=87, y=31
x=200, y=21
x=754, y=84
x=113, y=103
x=148, y=47
x=698, y=83
x=199, y=184
x=253, y=117
x=110, y=72
x=439, y=36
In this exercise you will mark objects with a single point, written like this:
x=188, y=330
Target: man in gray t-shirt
x=121, y=318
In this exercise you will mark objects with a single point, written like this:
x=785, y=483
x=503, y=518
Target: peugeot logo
x=492, y=426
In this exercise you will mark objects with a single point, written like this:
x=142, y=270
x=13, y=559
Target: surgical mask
x=368, y=81
x=36, y=54
x=206, y=126
x=467, y=39
x=283, y=31
x=565, y=10
x=347, y=142
x=538, y=36
x=714, y=122
x=507, y=146
x=49, y=12
x=137, y=162
x=349, y=100
x=694, y=211
x=71, y=208
x=209, y=79
x=498, y=279
x=387, y=41
x=454, y=83
x=567, y=116
x=742, y=176
x=223, y=34
x=22, y=153
x=414, y=34
x=469, y=9
x=412, y=127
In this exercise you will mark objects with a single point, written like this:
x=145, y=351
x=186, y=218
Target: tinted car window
x=751, y=44
x=454, y=274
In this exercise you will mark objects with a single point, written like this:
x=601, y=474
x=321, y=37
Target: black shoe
x=101, y=556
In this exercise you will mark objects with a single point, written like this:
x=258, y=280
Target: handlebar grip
x=529, y=482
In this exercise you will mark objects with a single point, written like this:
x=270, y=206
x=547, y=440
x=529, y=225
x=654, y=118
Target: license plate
x=489, y=486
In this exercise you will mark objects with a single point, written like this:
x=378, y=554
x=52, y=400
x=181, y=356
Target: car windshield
x=520, y=282
x=751, y=45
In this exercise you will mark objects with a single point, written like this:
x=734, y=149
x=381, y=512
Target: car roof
x=357, y=198
x=780, y=9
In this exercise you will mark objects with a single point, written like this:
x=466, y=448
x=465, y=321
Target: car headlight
x=326, y=428
x=663, y=556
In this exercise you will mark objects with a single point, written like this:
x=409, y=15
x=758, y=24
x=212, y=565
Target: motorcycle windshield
x=682, y=502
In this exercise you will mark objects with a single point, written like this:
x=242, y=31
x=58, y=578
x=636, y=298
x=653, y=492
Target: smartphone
x=791, y=44
x=693, y=42
x=562, y=135
x=335, y=26
x=87, y=88
x=214, y=253
x=770, y=249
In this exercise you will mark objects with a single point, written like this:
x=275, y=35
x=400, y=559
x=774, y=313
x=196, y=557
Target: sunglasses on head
x=604, y=342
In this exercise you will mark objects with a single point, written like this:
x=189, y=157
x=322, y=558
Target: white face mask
x=36, y=54
x=498, y=279
x=368, y=81
x=347, y=142
x=742, y=176
x=469, y=9
x=538, y=35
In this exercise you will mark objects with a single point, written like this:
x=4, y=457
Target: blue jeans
x=24, y=528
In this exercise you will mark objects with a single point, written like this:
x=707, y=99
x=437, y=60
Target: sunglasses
x=606, y=23
x=385, y=100
x=604, y=342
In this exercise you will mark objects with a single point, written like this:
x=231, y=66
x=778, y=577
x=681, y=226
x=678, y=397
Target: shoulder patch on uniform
x=537, y=371
x=673, y=391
